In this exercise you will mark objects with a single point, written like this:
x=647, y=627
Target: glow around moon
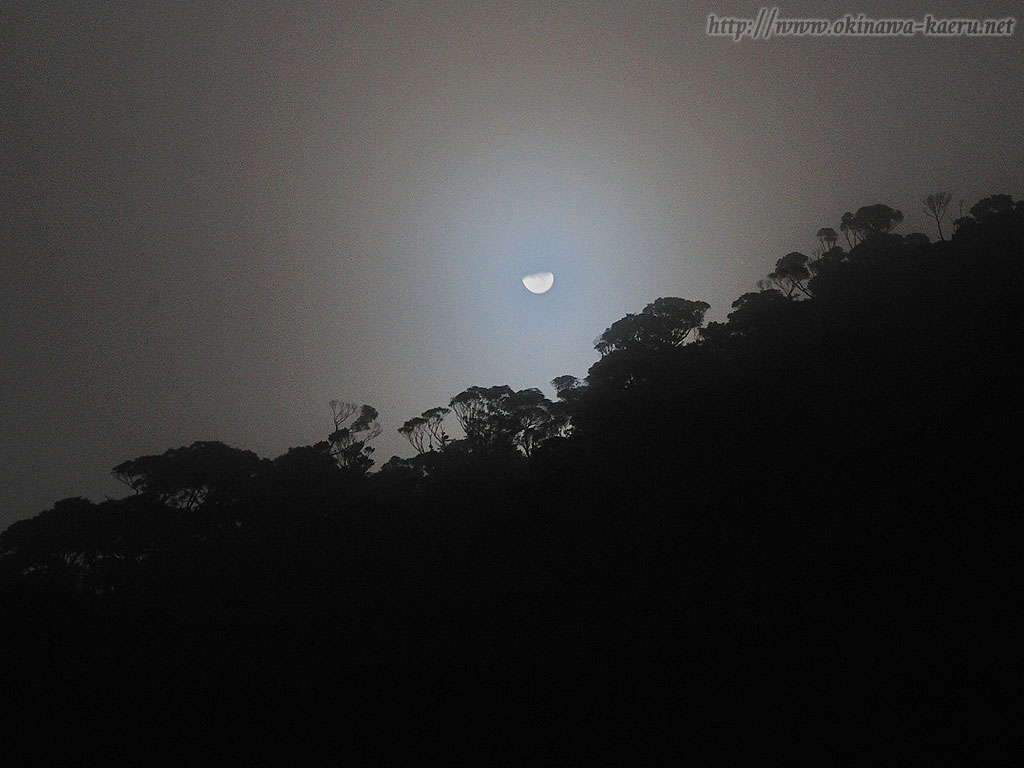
x=539, y=282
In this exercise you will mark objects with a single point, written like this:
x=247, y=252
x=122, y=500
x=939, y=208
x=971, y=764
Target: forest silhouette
x=800, y=520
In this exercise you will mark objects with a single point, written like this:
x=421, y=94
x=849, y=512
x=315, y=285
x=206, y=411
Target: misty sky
x=217, y=217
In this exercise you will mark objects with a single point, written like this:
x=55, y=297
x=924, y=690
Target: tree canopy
x=811, y=494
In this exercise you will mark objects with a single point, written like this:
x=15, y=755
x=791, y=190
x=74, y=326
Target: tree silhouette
x=202, y=474
x=827, y=271
x=484, y=415
x=426, y=432
x=536, y=420
x=498, y=419
x=63, y=541
x=434, y=418
x=869, y=221
x=917, y=240
x=665, y=322
x=849, y=230
x=827, y=238
x=791, y=274
x=877, y=219
x=306, y=480
x=567, y=388
x=415, y=431
x=935, y=206
x=349, y=443
x=991, y=206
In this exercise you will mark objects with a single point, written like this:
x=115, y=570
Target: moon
x=539, y=282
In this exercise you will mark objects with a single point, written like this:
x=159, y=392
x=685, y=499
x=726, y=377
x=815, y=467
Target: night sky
x=218, y=217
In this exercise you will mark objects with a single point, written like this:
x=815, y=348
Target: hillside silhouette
x=802, y=520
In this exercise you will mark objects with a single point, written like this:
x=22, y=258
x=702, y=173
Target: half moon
x=539, y=282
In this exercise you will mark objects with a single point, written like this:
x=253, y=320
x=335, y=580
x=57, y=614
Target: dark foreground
x=799, y=535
